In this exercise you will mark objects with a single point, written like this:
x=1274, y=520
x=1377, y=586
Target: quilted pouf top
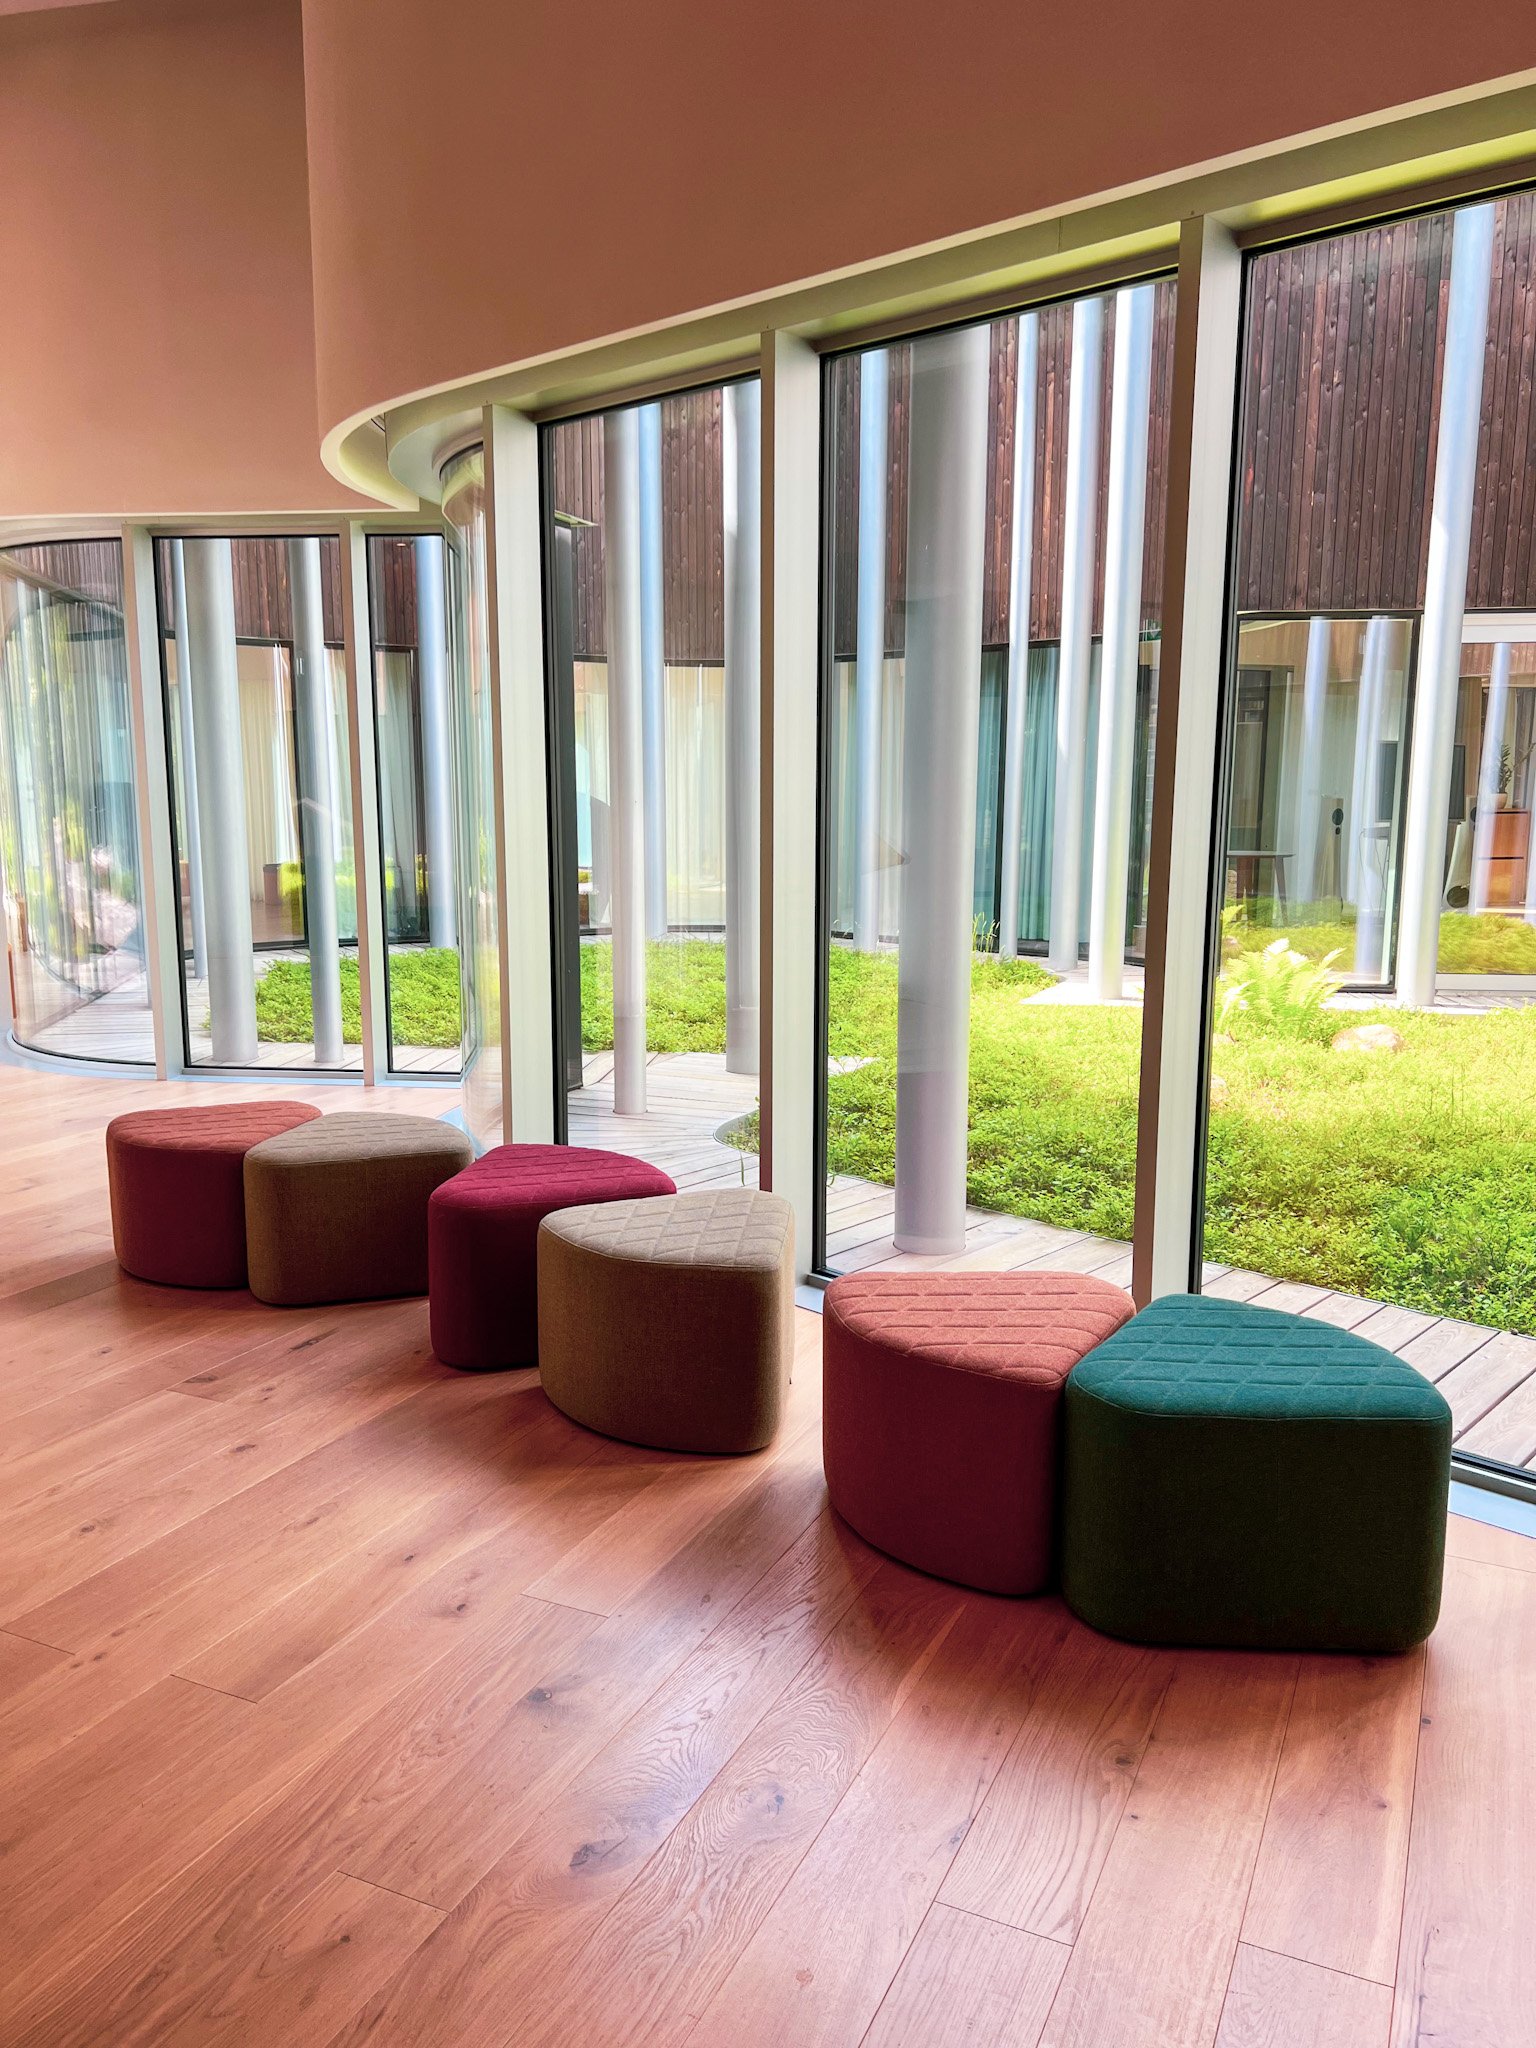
x=1194, y=1355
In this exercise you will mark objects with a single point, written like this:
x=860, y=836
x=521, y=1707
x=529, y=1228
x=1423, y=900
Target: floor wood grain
x=347, y=1699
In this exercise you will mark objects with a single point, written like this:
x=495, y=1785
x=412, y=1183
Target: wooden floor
x=345, y=1699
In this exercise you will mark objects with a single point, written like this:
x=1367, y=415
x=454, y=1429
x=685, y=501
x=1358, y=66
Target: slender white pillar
x=220, y=766
x=315, y=720
x=1445, y=595
x=436, y=740
x=742, y=496
x=869, y=671
x=626, y=819
x=1309, y=802
x=653, y=674
x=189, y=805
x=1020, y=598
x=1124, y=546
x=1488, y=771
x=1369, y=851
x=1080, y=503
x=946, y=526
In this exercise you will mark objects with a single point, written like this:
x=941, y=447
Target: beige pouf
x=669, y=1321
x=341, y=1215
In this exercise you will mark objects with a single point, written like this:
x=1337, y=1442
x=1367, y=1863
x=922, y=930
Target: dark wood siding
x=692, y=525
x=93, y=568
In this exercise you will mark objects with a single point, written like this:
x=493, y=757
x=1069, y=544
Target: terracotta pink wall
x=490, y=181
x=156, y=307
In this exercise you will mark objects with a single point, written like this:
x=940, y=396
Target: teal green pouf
x=1238, y=1478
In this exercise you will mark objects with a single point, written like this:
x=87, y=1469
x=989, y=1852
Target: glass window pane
x=653, y=564
x=990, y=687
x=414, y=736
x=255, y=686
x=479, y=900
x=69, y=845
x=1374, y=1053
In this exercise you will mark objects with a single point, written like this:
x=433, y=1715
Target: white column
x=1314, y=708
x=220, y=765
x=1445, y=595
x=520, y=769
x=1369, y=851
x=653, y=674
x=946, y=526
x=1488, y=771
x=626, y=822
x=1174, y=1041
x=314, y=718
x=1130, y=400
x=1020, y=598
x=436, y=740
x=1080, y=503
x=742, y=497
x=791, y=563
x=869, y=670
x=189, y=808
x=363, y=783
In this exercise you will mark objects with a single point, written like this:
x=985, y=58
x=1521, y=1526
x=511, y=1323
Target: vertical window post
x=791, y=478
x=146, y=702
x=520, y=776
x=1182, y=873
x=357, y=636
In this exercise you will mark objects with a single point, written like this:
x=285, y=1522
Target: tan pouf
x=669, y=1321
x=336, y=1210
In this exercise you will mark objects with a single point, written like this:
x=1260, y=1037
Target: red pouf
x=177, y=1179
x=941, y=1403
x=482, y=1243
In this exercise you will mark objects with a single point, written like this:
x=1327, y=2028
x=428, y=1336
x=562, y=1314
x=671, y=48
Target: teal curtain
x=989, y=795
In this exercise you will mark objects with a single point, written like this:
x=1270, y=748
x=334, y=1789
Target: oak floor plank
x=513, y=1945
x=1277, y=2002
x=1150, y=1966
x=820, y=1962
x=1328, y=1885
x=1466, y=1964
x=968, y=1982
x=1034, y=1853
x=1486, y=1543
x=323, y=1960
x=23, y=1663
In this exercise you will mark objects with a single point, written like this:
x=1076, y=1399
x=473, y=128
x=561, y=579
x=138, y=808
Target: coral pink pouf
x=483, y=1235
x=177, y=1180
x=941, y=1413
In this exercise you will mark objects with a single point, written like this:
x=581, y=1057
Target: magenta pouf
x=483, y=1236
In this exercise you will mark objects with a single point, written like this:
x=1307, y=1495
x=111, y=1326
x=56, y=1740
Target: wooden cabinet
x=1502, y=868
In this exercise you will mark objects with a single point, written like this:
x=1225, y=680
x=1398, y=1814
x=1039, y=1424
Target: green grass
x=423, y=1000
x=1481, y=944
x=684, y=996
x=1409, y=1177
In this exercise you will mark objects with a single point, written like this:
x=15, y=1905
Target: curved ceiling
x=492, y=184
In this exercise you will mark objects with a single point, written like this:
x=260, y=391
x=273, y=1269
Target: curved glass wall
x=69, y=846
x=654, y=613
x=479, y=901
x=1371, y=1151
x=993, y=536
x=256, y=720
x=413, y=731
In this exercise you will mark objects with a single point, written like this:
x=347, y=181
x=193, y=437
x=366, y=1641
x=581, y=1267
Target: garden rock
x=1369, y=1038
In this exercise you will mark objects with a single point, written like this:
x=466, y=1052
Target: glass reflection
x=69, y=848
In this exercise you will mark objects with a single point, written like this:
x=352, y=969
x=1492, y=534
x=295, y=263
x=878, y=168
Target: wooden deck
x=344, y=1698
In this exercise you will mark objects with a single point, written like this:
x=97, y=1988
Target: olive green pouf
x=343, y=1215
x=1240, y=1478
